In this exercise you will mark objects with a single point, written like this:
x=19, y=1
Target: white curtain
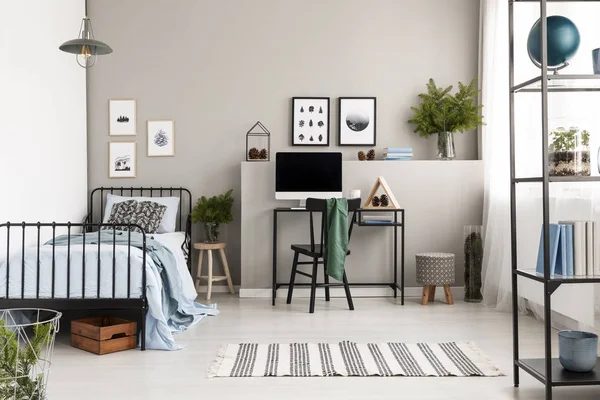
x=495, y=152
x=569, y=201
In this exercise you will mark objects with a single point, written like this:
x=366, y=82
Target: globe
x=563, y=41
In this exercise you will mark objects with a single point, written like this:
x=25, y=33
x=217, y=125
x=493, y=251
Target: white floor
x=182, y=375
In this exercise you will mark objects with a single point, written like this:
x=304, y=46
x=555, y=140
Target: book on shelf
x=398, y=150
x=581, y=245
x=589, y=247
x=554, y=242
x=375, y=222
x=560, y=267
x=377, y=219
x=396, y=158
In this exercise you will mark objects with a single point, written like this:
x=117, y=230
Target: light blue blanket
x=170, y=311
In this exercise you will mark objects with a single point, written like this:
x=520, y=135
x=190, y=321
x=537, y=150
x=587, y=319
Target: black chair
x=316, y=252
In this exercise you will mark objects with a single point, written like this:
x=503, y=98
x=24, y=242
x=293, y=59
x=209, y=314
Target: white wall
x=43, y=154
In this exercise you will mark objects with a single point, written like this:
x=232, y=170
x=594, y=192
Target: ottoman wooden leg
x=425, y=299
x=448, y=293
x=432, y=293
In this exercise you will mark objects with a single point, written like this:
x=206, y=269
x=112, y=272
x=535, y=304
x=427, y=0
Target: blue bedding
x=170, y=311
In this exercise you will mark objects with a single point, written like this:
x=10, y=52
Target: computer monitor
x=299, y=176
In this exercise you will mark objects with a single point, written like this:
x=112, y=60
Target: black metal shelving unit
x=547, y=369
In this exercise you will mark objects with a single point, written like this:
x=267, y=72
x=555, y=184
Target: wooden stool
x=209, y=247
x=435, y=269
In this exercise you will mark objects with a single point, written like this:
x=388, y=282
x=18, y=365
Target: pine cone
x=362, y=156
x=375, y=202
x=385, y=201
x=254, y=154
x=263, y=154
x=371, y=155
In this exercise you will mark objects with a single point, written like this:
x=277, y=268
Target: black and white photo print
x=121, y=115
x=310, y=121
x=357, y=124
x=121, y=160
x=161, y=138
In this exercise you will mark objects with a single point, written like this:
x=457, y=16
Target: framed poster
x=358, y=120
x=121, y=117
x=310, y=121
x=161, y=138
x=122, y=159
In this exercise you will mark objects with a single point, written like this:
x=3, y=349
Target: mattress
x=98, y=262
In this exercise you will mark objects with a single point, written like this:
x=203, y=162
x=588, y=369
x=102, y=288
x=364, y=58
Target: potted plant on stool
x=213, y=212
x=443, y=114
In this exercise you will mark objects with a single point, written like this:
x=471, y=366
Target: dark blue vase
x=563, y=41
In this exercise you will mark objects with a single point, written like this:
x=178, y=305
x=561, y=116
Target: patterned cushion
x=146, y=214
x=435, y=268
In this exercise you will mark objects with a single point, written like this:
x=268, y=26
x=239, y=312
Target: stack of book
x=574, y=250
x=377, y=219
x=397, y=154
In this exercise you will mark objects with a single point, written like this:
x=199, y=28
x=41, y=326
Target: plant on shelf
x=213, y=212
x=569, y=152
x=18, y=377
x=442, y=113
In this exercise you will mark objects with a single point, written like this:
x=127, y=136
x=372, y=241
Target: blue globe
x=563, y=41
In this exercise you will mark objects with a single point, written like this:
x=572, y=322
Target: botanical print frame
x=357, y=121
x=121, y=117
x=122, y=159
x=161, y=138
x=310, y=121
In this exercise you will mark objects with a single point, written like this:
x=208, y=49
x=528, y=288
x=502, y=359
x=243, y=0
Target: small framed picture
x=161, y=138
x=310, y=121
x=122, y=159
x=358, y=121
x=121, y=116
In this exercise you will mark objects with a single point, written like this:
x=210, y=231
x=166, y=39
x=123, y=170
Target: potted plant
x=569, y=152
x=442, y=113
x=212, y=212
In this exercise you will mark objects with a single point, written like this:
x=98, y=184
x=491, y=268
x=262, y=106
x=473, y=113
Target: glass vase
x=211, y=232
x=473, y=245
x=445, y=145
x=572, y=155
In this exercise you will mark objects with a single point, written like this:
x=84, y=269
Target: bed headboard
x=97, y=203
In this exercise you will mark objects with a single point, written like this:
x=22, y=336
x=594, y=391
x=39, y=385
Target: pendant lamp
x=85, y=47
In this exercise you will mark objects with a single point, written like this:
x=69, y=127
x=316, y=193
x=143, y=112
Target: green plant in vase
x=443, y=114
x=569, y=152
x=213, y=212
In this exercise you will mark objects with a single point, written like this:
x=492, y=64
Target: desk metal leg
x=402, y=260
x=395, y=254
x=274, y=287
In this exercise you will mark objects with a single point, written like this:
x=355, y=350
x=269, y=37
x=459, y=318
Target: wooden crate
x=103, y=335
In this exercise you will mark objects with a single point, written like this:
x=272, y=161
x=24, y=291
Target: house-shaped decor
x=258, y=143
x=381, y=186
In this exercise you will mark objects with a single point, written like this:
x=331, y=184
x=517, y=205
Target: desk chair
x=316, y=252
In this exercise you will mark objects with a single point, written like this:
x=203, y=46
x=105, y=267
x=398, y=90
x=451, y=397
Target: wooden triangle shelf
x=382, y=184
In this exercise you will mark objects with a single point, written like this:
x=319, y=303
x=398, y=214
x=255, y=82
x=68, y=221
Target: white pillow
x=169, y=220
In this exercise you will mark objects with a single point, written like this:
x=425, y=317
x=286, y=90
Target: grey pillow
x=146, y=214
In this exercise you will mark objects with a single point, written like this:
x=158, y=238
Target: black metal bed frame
x=89, y=227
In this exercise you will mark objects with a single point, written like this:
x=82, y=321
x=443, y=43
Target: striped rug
x=351, y=359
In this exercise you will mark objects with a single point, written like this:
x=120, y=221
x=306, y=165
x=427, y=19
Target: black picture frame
x=344, y=128
x=300, y=126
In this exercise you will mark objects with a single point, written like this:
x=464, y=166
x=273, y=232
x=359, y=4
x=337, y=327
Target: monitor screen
x=302, y=175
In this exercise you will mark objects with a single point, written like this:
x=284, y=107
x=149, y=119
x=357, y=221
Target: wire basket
x=26, y=346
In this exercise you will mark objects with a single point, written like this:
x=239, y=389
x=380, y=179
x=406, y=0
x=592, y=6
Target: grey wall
x=216, y=67
x=439, y=197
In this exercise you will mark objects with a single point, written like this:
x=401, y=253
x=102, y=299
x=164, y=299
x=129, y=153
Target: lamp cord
x=86, y=8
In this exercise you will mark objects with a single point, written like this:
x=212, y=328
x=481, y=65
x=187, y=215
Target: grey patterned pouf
x=435, y=269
